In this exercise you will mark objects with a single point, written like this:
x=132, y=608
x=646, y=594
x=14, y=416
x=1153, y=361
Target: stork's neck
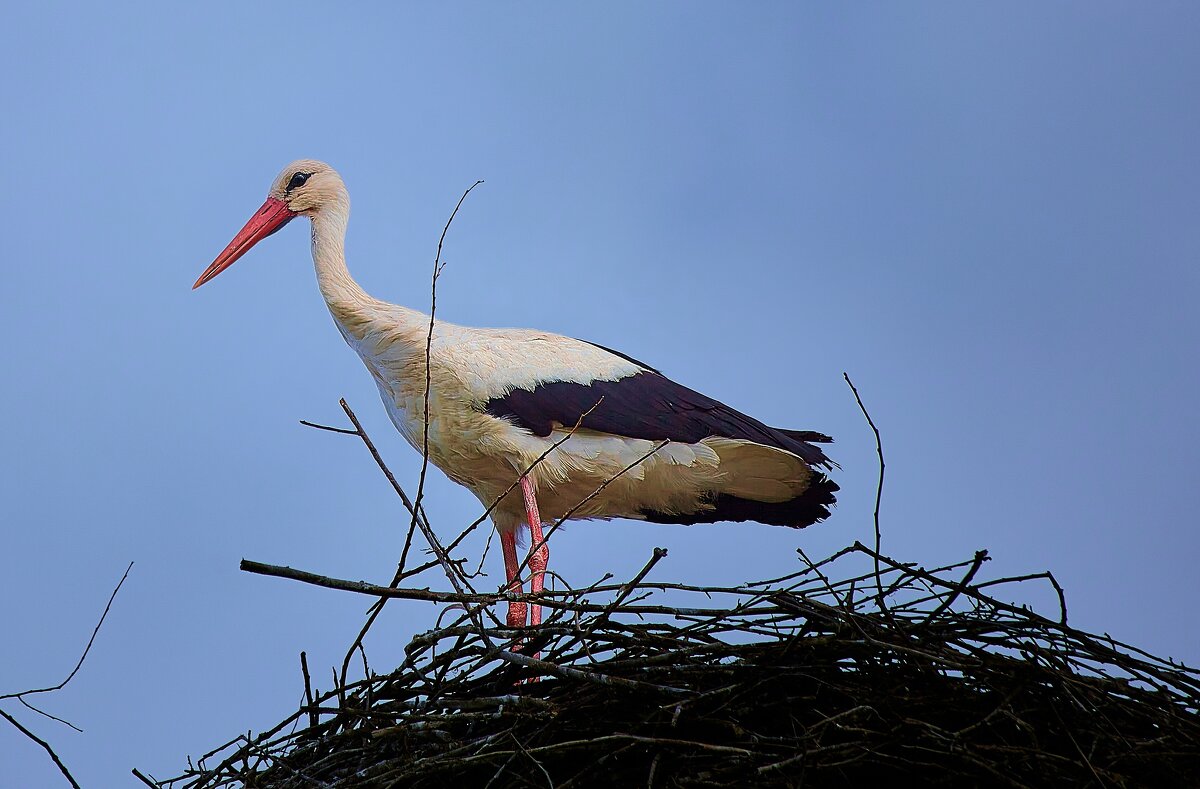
x=341, y=292
x=355, y=312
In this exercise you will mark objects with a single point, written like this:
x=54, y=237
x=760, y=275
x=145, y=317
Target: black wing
x=645, y=405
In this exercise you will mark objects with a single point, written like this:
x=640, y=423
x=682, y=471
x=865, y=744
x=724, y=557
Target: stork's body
x=499, y=399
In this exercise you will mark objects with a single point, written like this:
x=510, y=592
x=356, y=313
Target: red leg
x=539, y=552
x=516, y=611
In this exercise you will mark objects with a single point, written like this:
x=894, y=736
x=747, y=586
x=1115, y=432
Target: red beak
x=273, y=215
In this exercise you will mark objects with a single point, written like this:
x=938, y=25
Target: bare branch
x=341, y=430
x=62, y=768
x=86, y=649
x=437, y=271
x=878, y=487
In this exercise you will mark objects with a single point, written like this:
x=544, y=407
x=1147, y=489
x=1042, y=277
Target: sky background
x=989, y=219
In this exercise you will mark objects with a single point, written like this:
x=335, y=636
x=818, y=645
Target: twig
x=965, y=583
x=308, y=694
x=658, y=555
x=377, y=608
x=86, y=649
x=528, y=755
x=461, y=598
x=138, y=775
x=329, y=428
x=62, y=768
x=437, y=271
x=878, y=487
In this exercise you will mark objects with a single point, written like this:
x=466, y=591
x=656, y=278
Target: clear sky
x=988, y=218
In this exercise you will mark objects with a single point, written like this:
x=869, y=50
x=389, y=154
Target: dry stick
x=419, y=519
x=1062, y=597
x=659, y=554
x=377, y=608
x=360, y=433
x=62, y=768
x=412, y=506
x=264, y=756
x=878, y=488
x=308, y=694
x=43, y=713
x=965, y=583
x=464, y=598
x=86, y=649
x=625, y=591
x=528, y=755
x=329, y=428
x=437, y=270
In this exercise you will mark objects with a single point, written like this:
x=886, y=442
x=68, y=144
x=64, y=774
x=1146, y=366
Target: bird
x=581, y=430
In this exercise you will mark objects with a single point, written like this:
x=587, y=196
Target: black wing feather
x=646, y=405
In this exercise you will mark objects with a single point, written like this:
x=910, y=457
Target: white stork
x=500, y=398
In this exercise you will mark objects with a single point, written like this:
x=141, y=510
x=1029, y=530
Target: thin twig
x=965, y=583
x=308, y=693
x=417, y=516
x=437, y=271
x=86, y=649
x=329, y=428
x=878, y=487
x=62, y=768
x=42, y=712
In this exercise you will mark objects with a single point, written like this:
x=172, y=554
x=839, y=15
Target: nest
x=852, y=670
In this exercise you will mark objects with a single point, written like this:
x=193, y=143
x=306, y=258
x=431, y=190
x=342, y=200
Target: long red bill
x=273, y=215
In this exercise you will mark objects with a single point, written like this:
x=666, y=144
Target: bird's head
x=304, y=187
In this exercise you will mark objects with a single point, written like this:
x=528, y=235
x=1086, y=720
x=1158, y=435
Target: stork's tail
x=782, y=485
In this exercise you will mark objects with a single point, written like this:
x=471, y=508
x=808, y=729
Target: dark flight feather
x=806, y=509
x=645, y=405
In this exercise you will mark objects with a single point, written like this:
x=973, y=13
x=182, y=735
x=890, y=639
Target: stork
x=501, y=399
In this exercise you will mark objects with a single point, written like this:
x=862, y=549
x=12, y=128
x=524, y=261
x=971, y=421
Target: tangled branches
x=809, y=678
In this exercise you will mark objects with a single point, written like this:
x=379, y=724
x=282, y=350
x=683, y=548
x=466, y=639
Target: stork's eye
x=298, y=180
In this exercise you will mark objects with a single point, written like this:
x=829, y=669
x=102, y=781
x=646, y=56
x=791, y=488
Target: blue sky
x=988, y=219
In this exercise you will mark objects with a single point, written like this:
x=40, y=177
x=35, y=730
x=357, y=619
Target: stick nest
x=853, y=670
